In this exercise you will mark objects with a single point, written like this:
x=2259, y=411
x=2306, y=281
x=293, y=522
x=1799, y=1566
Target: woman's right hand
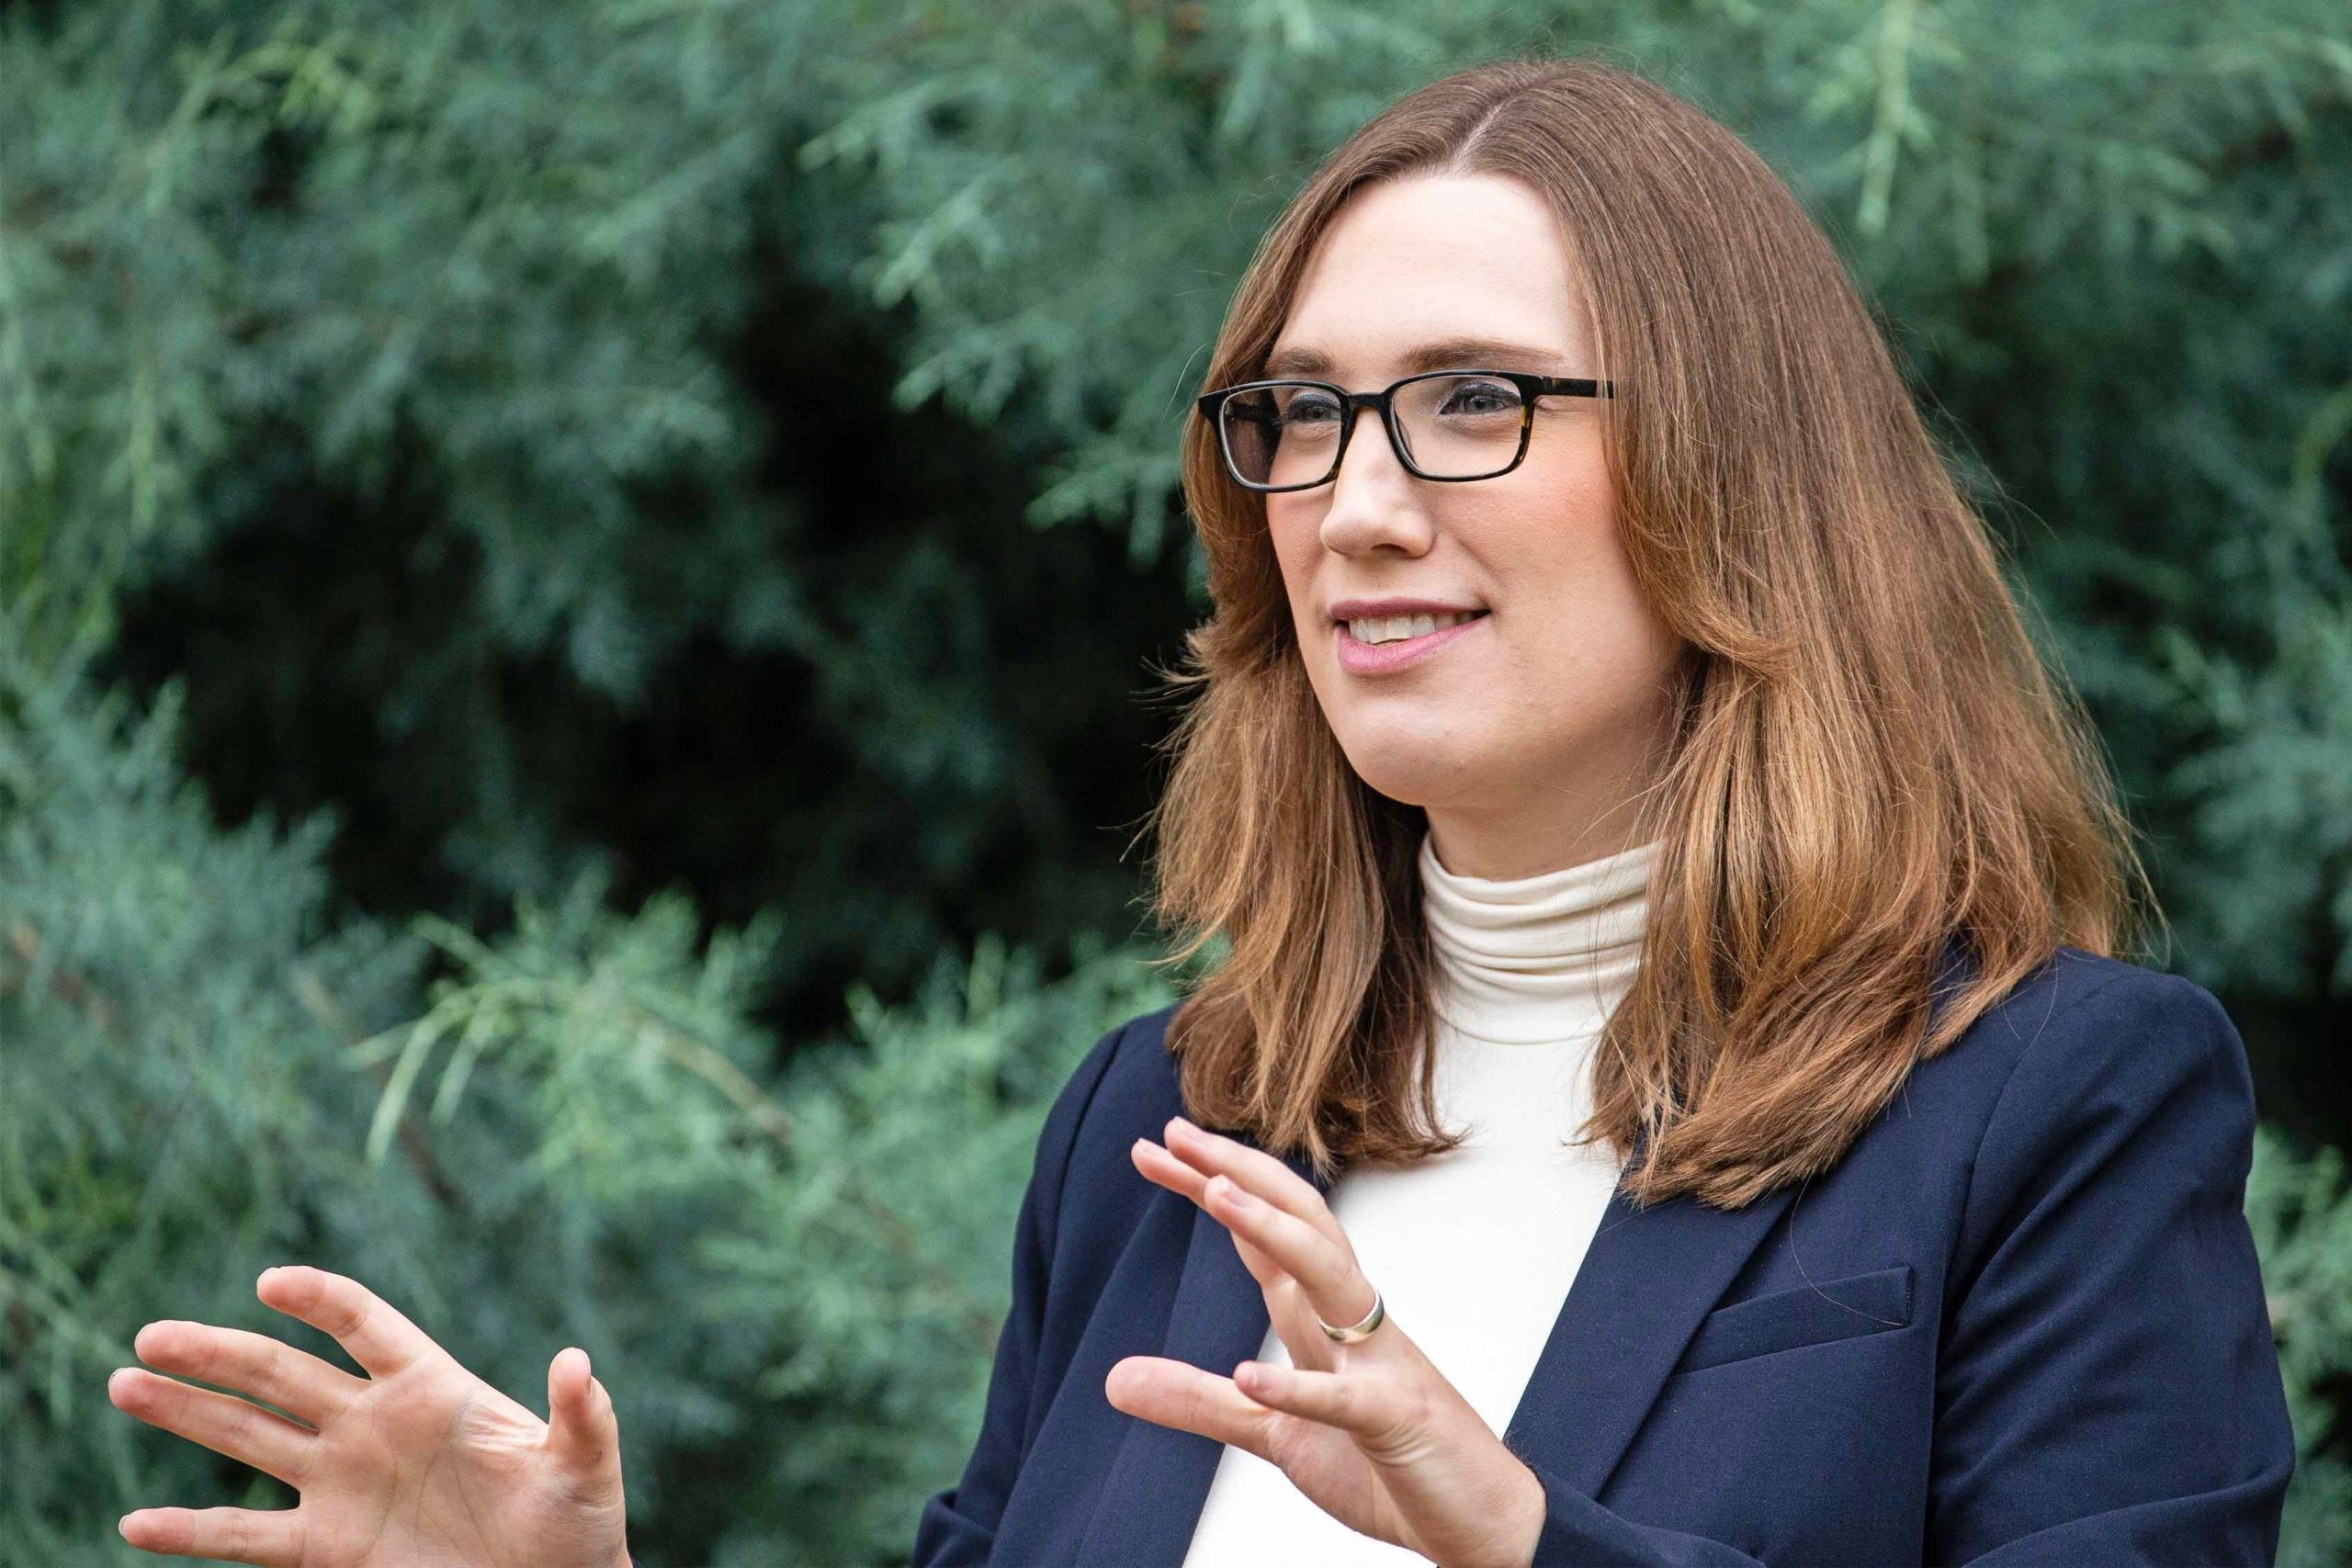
x=417, y=1465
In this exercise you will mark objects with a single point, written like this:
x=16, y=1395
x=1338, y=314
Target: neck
x=1538, y=958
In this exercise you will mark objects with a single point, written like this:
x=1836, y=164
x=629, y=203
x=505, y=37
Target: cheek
x=1291, y=525
x=1552, y=550
x=1578, y=620
x=1297, y=545
x=1561, y=507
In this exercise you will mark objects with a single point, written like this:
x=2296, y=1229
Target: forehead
x=1448, y=268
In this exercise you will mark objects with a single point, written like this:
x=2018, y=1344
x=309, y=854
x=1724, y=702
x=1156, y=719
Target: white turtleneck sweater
x=1472, y=1250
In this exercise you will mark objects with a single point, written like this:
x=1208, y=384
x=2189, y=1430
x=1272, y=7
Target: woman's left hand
x=1371, y=1432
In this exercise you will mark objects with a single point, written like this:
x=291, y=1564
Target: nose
x=1373, y=499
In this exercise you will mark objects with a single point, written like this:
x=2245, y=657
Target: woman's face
x=1526, y=733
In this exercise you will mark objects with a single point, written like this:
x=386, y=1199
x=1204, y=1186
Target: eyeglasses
x=1449, y=426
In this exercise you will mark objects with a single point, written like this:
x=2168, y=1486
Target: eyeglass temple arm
x=1574, y=387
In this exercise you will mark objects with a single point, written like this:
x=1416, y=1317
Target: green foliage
x=786, y=1280
x=170, y=1121
x=379, y=220
x=2301, y=1213
x=458, y=374
x=424, y=413
x=845, y=1226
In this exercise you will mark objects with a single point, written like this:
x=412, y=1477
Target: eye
x=1309, y=408
x=1474, y=397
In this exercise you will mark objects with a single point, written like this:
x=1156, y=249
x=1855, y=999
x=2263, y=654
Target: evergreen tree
x=575, y=591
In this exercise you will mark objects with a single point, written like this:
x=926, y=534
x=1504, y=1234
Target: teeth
x=1395, y=628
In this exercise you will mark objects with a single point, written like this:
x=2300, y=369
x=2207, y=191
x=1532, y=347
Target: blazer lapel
x=1646, y=1281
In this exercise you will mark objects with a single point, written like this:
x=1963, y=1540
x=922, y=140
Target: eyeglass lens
x=1455, y=426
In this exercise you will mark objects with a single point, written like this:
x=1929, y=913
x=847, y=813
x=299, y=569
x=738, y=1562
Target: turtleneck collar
x=1536, y=959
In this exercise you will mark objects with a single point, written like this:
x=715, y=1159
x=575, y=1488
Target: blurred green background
x=578, y=584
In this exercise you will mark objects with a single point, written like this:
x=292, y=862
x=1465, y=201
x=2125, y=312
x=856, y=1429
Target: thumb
x=583, y=1433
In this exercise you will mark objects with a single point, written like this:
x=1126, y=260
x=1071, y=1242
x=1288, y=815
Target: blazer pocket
x=1808, y=1314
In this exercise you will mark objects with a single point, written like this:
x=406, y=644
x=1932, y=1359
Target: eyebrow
x=1439, y=354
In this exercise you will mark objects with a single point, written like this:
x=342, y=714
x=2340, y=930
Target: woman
x=1720, y=814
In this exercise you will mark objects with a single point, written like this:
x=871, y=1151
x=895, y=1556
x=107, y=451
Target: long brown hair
x=1869, y=758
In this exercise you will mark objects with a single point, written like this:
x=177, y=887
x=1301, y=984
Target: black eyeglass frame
x=1530, y=386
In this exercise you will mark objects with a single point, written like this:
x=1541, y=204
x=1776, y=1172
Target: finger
x=378, y=1337
x=1177, y=1175
x=1188, y=1180
x=221, y=1422
x=584, y=1431
x=1370, y=1409
x=1286, y=1304
x=270, y=1537
x=295, y=1381
x=1327, y=1271
x=1260, y=1172
x=1179, y=1395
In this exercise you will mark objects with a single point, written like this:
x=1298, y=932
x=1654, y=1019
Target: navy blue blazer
x=2020, y=1322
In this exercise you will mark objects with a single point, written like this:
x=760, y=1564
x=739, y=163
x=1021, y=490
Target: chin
x=1413, y=768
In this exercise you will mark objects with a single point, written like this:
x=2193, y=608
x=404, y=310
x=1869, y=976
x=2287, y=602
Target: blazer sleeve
x=2107, y=1388
x=958, y=1524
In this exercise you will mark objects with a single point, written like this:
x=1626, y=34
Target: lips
x=1379, y=659
x=1382, y=609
